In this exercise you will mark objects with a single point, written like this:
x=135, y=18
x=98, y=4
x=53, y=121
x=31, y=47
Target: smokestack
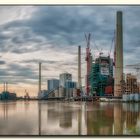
x=4, y=86
x=79, y=67
x=39, y=87
x=118, y=56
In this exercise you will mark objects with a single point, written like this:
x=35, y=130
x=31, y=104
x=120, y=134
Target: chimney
x=79, y=67
x=118, y=56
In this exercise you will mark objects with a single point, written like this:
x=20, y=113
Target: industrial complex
x=104, y=76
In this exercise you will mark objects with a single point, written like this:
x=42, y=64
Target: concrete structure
x=52, y=84
x=64, y=77
x=69, y=92
x=61, y=91
x=70, y=84
x=118, y=56
x=79, y=67
x=39, y=82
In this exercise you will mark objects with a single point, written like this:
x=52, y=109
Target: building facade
x=70, y=84
x=53, y=84
x=101, y=76
x=64, y=77
x=131, y=84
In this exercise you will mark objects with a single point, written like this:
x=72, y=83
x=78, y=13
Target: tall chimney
x=4, y=86
x=118, y=56
x=39, y=86
x=6, y=83
x=79, y=67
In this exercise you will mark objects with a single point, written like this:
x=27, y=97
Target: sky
x=52, y=34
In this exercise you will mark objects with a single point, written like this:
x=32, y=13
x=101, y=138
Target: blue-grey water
x=69, y=118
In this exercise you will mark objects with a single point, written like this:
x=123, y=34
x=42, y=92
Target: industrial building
x=64, y=77
x=131, y=84
x=67, y=86
x=101, y=80
x=52, y=84
x=70, y=84
x=6, y=95
x=101, y=77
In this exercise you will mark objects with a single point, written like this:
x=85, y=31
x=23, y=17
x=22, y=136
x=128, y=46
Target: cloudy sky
x=51, y=34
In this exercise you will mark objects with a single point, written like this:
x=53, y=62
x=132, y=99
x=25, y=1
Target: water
x=69, y=118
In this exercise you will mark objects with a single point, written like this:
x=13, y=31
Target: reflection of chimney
x=118, y=56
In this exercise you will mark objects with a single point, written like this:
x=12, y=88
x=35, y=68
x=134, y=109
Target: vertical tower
x=6, y=83
x=88, y=59
x=79, y=67
x=118, y=56
x=39, y=86
x=4, y=86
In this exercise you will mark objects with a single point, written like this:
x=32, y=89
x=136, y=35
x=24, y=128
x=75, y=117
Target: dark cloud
x=62, y=29
x=40, y=60
x=2, y=62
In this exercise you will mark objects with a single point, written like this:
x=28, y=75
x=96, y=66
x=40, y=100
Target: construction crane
x=88, y=60
x=26, y=95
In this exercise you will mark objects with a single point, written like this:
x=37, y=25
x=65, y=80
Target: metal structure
x=89, y=61
x=79, y=67
x=101, y=77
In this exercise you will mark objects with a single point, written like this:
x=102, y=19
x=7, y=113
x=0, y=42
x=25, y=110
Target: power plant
x=99, y=77
x=104, y=75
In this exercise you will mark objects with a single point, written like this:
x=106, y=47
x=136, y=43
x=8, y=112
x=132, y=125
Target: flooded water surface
x=69, y=118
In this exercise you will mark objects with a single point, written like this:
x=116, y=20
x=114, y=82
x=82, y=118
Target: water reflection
x=132, y=119
x=65, y=118
x=69, y=118
x=100, y=119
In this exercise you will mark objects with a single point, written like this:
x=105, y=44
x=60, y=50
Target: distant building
x=64, y=77
x=70, y=84
x=5, y=95
x=53, y=84
x=131, y=84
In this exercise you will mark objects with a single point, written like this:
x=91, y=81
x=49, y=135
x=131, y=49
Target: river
x=69, y=118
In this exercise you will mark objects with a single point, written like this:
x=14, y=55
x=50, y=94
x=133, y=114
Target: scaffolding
x=131, y=84
x=98, y=80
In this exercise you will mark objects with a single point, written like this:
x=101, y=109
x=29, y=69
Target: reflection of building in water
x=118, y=119
x=100, y=120
x=6, y=109
x=65, y=118
x=26, y=105
x=52, y=115
x=132, y=117
x=79, y=121
x=39, y=118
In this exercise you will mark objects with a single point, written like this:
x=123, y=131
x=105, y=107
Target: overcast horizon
x=52, y=34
